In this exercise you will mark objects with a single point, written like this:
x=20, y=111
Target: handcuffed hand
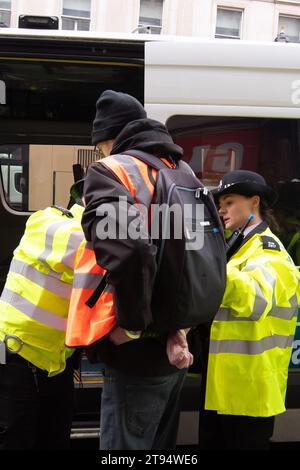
x=178, y=350
x=118, y=336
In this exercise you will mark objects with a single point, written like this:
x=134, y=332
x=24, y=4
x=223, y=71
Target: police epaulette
x=64, y=211
x=269, y=243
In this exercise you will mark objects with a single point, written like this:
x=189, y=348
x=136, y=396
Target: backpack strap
x=156, y=162
x=93, y=299
x=151, y=160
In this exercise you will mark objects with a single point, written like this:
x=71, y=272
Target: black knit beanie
x=113, y=111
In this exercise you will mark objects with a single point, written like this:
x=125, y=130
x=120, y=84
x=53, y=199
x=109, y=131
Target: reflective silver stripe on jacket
x=46, y=281
x=249, y=347
x=286, y=313
x=49, y=240
x=33, y=311
x=142, y=191
x=260, y=303
x=74, y=241
x=89, y=281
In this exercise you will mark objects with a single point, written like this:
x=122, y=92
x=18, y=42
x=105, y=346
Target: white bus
x=229, y=104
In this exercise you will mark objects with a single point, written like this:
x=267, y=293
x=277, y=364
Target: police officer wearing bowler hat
x=250, y=342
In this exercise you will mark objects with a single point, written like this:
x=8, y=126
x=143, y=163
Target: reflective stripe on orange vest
x=133, y=174
x=85, y=324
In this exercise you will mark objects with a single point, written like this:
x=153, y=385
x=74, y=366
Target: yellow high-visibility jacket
x=252, y=334
x=35, y=300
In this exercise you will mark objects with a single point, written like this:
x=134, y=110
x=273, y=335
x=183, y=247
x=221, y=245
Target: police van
x=229, y=104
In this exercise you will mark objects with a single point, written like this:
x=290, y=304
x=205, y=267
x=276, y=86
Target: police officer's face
x=235, y=210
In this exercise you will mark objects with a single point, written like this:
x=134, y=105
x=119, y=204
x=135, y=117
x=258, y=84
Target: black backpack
x=190, y=280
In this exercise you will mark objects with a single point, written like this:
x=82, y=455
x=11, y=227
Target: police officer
x=36, y=374
x=251, y=336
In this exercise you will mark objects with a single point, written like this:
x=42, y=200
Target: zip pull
x=199, y=191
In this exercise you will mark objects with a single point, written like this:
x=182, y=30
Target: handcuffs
x=4, y=347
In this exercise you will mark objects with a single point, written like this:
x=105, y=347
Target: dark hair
x=267, y=215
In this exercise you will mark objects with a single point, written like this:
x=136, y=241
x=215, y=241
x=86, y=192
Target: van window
x=14, y=175
x=2, y=92
x=36, y=176
x=48, y=97
x=47, y=106
x=214, y=145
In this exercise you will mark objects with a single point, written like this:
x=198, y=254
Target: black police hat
x=245, y=183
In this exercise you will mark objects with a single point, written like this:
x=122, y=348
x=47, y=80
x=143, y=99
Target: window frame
x=74, y=18
x=288, y=16
x=7, y=10
x=232, y=9
x=143, y=25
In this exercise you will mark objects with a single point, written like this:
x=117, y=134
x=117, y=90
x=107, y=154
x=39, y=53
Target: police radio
x=236, y=239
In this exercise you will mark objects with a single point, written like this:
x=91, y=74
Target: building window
x=5, y=11
x=150, y=20
x=290, y=27
x=76, y=15
x=228, y=23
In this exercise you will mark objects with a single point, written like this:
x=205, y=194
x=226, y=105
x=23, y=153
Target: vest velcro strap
x=92, y=300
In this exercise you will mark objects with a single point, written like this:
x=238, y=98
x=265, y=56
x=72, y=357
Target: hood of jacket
x=149, y=136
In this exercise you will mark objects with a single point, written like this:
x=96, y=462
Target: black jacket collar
x=262, y=227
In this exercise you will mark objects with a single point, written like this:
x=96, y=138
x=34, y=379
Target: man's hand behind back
x=118, y=336
x=178, y=350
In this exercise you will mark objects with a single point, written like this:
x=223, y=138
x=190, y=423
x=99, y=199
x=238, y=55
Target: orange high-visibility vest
x=89, y=324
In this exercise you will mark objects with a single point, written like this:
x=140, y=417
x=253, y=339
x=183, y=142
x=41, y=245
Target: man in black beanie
x=140, y=397
x=113, y=111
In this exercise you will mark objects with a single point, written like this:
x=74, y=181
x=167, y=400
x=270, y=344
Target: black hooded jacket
x=131, y=263
x=147, y=135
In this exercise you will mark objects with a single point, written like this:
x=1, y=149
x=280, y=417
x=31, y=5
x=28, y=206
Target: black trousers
x=35, y=410
x=140, y=413
x=228, y=432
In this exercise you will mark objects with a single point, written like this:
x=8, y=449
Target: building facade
x=260, y=20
